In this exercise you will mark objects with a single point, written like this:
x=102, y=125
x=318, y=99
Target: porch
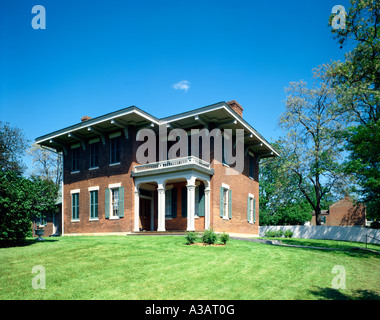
x=172, y=195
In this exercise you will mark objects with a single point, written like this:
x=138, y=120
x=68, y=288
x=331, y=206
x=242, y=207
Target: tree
x=47, y=164
x=12, y=147
x=21, y=199
x=356, y=82
x=281, y=200
x=280, y=197
x=309, y=124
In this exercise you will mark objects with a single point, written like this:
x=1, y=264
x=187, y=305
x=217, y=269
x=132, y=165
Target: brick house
x=51, y=223
x=107, y=191
x=345, y=212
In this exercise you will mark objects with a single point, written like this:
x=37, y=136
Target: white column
x=161, y=208
x=136, y=227
x=190, y=206
x=207, y=207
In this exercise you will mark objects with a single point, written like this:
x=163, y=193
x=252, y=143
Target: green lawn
x=163, y=267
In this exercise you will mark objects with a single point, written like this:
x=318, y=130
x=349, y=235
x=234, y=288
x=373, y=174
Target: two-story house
x=106, y=190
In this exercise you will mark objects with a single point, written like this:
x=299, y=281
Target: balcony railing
x=179, y=162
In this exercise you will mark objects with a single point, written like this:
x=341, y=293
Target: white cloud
x=182, y=85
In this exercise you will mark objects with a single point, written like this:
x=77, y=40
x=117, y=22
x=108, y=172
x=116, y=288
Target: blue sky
x=96, y=57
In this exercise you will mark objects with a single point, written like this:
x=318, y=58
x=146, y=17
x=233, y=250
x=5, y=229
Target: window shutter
x=254, y=210
x=107, y=203
x=121, y=202
x=174, y=203
x=248, y=209
x=230, y=203
x=184, y=202
x=221, y=202
x=201, y=211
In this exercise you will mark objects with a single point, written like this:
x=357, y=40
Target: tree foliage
x=46, y=164
x=12, y=147
x=313, y=155
x=21, y=199
x=356, y=82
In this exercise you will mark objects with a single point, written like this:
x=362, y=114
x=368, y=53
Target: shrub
x=224, y=237
x=269, y=234
x=375, y=225
x=191, y=237
x=274, y=234
x=288, y=234
x=279, y=234
x=209, y=237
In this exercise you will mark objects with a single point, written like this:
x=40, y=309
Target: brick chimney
x=85, y=118
x=234, y=105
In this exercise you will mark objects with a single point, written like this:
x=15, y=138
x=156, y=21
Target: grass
x=332, y=244
x=164, y=267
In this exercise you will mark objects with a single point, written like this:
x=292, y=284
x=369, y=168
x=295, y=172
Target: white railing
x=173, y=163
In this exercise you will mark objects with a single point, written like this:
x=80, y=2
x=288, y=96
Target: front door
x=145, y=213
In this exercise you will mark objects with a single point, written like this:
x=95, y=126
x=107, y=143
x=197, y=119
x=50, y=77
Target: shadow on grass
x=336, y=248
x=23, y=243
x=334, y=294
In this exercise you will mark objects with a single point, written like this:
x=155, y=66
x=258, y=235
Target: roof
x=219, y=113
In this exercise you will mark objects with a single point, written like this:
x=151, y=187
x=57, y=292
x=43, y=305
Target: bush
x=274, y=234
x=288, y=234
x=375, y=225
x=209, y=237
x=269, y=234
x=224, y=237
x=191, y=237
x=279, y=234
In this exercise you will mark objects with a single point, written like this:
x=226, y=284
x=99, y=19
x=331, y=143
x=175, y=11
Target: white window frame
x=96, y=188
x=226, y=193
x=72, y=192
x=251, y=208
x=113, y=187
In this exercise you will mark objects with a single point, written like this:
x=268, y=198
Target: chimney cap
x=85, y=118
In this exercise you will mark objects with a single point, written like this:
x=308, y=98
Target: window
x=114, y=202
x=115, y=150
x=251, y=209
x=168, y=203
x=200, y=200
x=171, y=203
x=75, y=159
x=75, y=206
x=225, y=205
x=41, y=221
x=251, y=166
x=94, y=155
x=94, y=204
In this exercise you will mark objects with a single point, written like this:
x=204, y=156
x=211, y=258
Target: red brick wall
x=345, y=213
x=101, y=177
x=240, y=185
